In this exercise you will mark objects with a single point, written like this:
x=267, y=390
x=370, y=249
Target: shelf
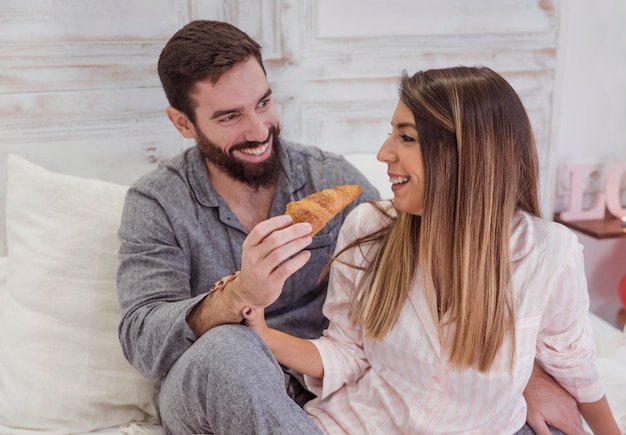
x=608, y=228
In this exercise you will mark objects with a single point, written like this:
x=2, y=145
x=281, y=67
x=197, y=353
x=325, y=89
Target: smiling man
x=204, y=236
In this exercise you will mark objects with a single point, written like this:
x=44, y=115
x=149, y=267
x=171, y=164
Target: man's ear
x=181, y=122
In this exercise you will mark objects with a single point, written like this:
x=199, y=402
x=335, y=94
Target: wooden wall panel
x=261, y=20
x=71, y=21
x=474, y=18
x=337, y=81
x=79, y=92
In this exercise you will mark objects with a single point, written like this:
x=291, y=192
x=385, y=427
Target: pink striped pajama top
x=403, y=383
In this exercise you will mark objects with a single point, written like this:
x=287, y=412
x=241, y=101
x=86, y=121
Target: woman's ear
x=181, y=122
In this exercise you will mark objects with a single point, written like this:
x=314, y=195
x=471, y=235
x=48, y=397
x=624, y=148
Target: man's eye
x=228, y=118
x=264, y=103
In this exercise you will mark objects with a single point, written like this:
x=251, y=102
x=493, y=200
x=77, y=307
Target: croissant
x=320, y=207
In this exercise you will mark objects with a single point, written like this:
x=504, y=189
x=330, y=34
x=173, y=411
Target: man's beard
x=255, y=175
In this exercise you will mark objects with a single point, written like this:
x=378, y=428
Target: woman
x=441, y=300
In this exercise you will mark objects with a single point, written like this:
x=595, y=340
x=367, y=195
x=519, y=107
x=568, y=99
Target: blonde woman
x=441, y=300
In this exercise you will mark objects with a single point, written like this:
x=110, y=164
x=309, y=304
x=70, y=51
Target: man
x=204, y=236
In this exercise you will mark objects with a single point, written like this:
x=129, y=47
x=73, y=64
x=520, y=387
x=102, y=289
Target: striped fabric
x=403, y=384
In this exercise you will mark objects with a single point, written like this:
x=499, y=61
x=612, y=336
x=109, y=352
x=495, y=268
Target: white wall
x=590, y=122
x=591, y=82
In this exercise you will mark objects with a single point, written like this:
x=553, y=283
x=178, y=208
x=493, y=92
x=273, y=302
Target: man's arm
x=550, y=405
x=154, y=287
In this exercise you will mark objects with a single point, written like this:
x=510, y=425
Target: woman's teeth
x=256, y=151
x=398, y=180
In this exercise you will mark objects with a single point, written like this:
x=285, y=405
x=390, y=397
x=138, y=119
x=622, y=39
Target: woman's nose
x=385, y=153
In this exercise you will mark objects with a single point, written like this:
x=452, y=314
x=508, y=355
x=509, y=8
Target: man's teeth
x=398, y=180
x=256, y=151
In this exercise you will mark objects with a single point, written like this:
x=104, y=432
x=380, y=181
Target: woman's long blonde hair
x=481, y=166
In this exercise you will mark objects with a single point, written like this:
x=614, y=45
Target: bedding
x=610, y=344
x=61, y=366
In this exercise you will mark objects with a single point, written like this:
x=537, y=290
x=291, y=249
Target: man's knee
x=232, y=342
x=225, y=351
x=225, y=369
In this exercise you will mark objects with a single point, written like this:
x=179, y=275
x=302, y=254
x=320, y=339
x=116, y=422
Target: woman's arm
x=293, y=352
x=296, y=353
x=565, y=345
x=599, y=417
x=338, y=357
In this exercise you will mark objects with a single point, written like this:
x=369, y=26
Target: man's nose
x=256, y=130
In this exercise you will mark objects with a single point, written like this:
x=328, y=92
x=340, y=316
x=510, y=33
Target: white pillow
x=61, y=364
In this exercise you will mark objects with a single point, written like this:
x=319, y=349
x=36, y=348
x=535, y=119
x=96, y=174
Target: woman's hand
x=255, y=319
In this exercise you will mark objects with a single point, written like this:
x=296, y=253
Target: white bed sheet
x=610, y=344
x=131, y=429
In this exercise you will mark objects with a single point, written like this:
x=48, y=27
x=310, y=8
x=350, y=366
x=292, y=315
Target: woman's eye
x=407, y=138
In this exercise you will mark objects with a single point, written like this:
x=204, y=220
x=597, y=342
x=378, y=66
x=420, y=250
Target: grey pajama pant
x=526, y=430
x=228, y=382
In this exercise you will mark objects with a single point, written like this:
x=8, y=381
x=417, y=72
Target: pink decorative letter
x=575, y=211
x=612, y=189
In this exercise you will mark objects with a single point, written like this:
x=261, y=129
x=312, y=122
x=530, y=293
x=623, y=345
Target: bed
x=61, y=366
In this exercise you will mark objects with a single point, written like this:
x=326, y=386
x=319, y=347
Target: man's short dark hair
x=201, y=50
